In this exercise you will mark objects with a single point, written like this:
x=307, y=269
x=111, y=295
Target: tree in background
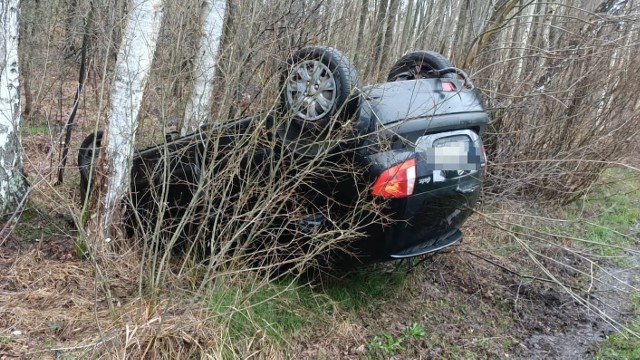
x=12, y=185
x=132, y=69
x=197, y=109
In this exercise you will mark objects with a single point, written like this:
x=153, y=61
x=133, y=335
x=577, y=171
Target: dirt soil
x=470, y=308
x=578, y=337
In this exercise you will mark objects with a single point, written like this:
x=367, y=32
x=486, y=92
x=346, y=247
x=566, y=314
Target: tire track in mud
x=610, y=309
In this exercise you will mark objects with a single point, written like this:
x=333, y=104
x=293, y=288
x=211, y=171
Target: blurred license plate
x=456, y=152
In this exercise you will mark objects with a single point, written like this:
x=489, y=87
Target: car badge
x=425, y=181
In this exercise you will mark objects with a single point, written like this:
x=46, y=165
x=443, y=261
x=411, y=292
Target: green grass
x=363, y=287
x=615, y=211
x=385, y=345
x=4, y=340
x=277, y=309
x=35, y=130
x=608, y=218
x=36, y=225
x=389, y=345
x=40, y=130
x=611, y=206
x=617, y=347
x=283, y=309
x=604, y=217
x=605, y=224
x=623, y=345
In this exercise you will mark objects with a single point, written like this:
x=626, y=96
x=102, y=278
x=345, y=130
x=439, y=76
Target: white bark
x=458, y=7
x=12, y=184
x=197, y=108
x=132, y=69
x=523, y=44
x=550, y=11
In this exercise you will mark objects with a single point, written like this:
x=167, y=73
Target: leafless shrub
x=562, y=108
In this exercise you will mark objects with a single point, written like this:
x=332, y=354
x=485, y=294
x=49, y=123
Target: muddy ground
x=502, y=318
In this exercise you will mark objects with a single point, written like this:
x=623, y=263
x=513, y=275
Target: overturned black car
x=412, y=146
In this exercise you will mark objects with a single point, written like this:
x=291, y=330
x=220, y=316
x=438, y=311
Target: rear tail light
x=397, y=181
x=448, y=86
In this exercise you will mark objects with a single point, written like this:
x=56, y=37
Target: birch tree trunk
x=550, y=9
x=132, y=69
x=524, y=25
x=449, y=45
x=408, y=25
x=12, y=185
x=197, y=109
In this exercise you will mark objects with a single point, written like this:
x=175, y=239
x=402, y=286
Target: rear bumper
x=429, y=220
x=443, y=241
x=421, y=224
x=442, y=200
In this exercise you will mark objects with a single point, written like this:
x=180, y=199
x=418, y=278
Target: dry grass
x=59, y=310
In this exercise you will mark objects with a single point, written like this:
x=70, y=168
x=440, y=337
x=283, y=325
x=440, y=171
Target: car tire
x=318, y=84
x=87, y=156
x=319, y=95
x=419, y=65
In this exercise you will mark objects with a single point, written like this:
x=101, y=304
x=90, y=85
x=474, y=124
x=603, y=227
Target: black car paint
x=398, y=114
x=429, y=219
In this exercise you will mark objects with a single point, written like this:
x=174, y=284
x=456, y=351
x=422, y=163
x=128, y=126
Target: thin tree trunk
x=379, y=37
x=436, y=25
x=132, y=69
x=389, y=33
x=197, y=109
x=425, y=24
x=464, y=27
x=590, y=31
x=496, y=21
x=582, y=90
x=414, y=31
x=550, y=9
x=362, y=23
x=523, y=36
x=29, y=41
x=27, y=109
x=76, y=101
x=71, y=7
x=12, y=184
x=407, y=26
x=453, y=23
